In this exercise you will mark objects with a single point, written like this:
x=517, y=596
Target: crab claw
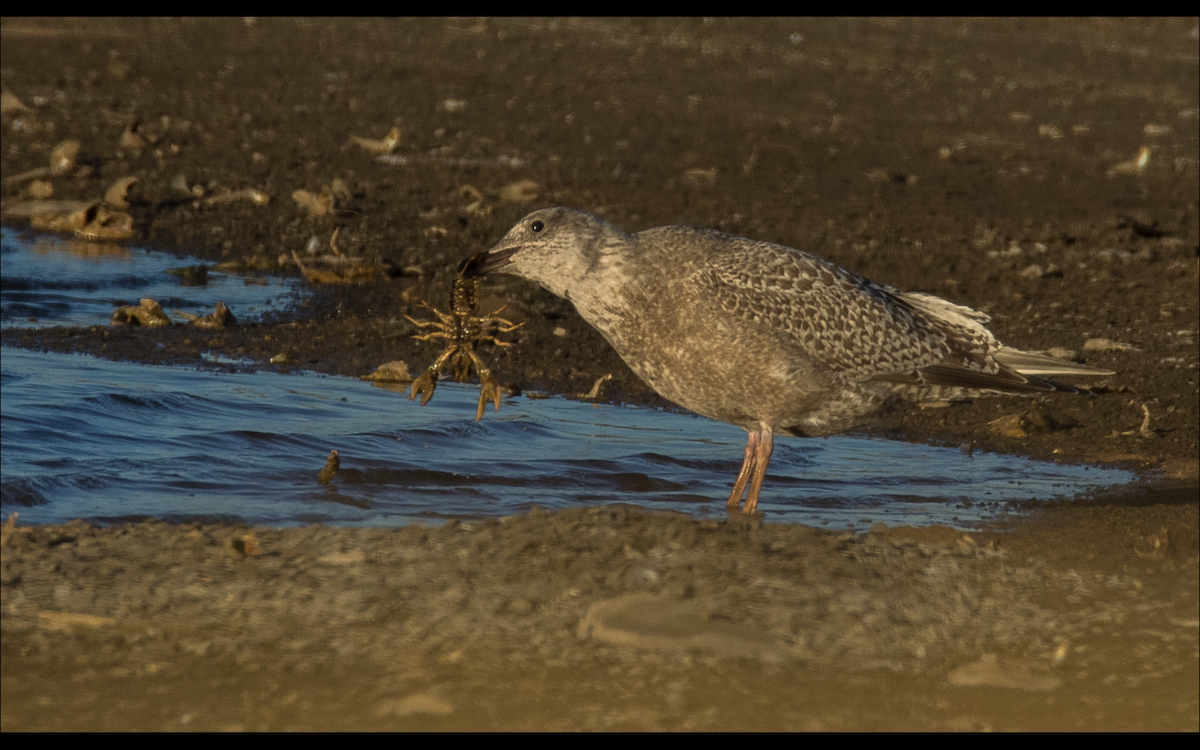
x=489, y=391
x=425, y=386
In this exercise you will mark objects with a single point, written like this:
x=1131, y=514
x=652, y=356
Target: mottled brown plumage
x=763, y=336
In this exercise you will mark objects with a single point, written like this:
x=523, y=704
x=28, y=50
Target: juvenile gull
x=771, y=339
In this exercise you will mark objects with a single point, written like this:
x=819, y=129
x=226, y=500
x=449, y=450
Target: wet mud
x=1045, y=172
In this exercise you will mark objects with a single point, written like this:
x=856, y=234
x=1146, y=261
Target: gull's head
x=557, y=248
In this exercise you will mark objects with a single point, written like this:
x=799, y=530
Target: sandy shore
x=607, y=618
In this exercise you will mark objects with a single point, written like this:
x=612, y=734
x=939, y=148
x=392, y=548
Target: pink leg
x=762, y=456
x=735, y=497
x=759, y=446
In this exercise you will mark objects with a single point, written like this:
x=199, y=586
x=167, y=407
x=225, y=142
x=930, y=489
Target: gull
x=766, y=337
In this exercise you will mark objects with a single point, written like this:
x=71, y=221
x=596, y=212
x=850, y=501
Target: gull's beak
x=492, y=261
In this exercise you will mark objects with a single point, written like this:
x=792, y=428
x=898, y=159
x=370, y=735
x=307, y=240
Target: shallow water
x=109, y=441
x=51, y=281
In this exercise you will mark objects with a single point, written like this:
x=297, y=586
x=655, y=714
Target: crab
x=463, y=329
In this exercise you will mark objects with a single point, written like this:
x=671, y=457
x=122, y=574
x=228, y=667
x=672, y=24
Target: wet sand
x=977, y=160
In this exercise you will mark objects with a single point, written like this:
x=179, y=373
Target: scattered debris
x=1136, y=165
x=245, y=545
x=131, y=140
x=1037, y=271
x=102, y=224
x=180, y=183
x=385, y=145
x=1155, y=544
x=436, y=157
x=39, y=190
x=62, y=158
x=1144, y=430
x=69, y=621
x=1060, y=652
x=478, y=201
x=655, y=621
x=87, y=219
x=117, y=193
x=1057, y=352
x=257, y=262
x=521, y=191
x=417, y=704
x=219, y=318
x=196, y=275
x=1025, y=424
x=9, y=527
x=10, y=104
x=941, y=403
x=1108, y=345
x=882, y=175
x=351, y=557
x=1018, y=674
x=395, y=371
x=225, y=195
x=27, y=175
x=331, y=468
x=700, y=177
x=148, y=313
x=751, y=161
x=595, y=392
x=324, y=203
x=1050, y=131
x=46, y=212
x=338, y=269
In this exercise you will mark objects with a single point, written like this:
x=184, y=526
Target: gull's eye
x=537, y=226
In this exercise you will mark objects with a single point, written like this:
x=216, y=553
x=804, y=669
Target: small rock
x=389, y=372
x=419, y=703
x=990, y=672
x=148, y=313
x=1107, y=345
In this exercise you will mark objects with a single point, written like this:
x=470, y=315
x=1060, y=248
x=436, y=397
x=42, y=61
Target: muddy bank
x=991, y=162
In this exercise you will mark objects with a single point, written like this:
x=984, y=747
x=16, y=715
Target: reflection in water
x=53, y=281
x=52, y=245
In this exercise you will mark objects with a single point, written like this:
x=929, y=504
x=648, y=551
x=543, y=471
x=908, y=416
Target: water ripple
x=101, y=440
